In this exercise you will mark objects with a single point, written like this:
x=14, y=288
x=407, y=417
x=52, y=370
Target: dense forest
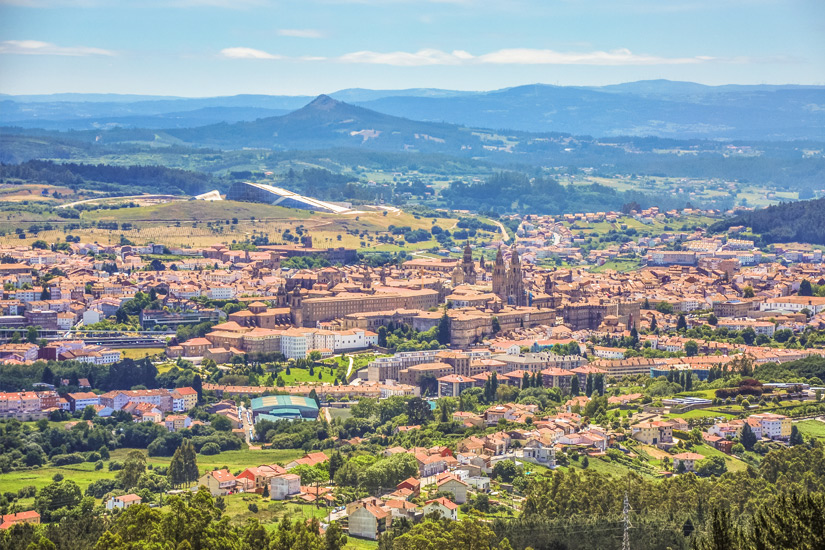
x=111, y=179
x=802, y=221
x=518, y=192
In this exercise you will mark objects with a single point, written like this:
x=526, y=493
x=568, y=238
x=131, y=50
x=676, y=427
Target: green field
x=297, y=375
x=83, y=474
x=734, y=464
x=812, y=428
x=140, y=353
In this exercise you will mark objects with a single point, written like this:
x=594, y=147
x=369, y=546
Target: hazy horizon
x=208, y=48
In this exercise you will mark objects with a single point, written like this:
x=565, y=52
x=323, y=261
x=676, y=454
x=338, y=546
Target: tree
x=59, y=494
x=335, y=463
x=382, y=336
x=653, y=324
x=588, y=385
x=89, y=413
x=585, y=462
x=796, y=437
x=265, y=492
x=505, y=471
x=314, y=396
x=681, y=322
x=496, y=325
x=418, y=411
x=176, y=472
x=748, y=292
x=713, y=466
x=691, y=348
x=133, y=467
x=443, y=334
x=748, y=438
x=334, y=538
x=574, y=385
x=805, y=288
x=598, y=384
x=712, y=320
x=221, y=423
x=190, y=461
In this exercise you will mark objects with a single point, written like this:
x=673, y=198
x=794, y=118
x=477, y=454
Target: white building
x=283, y=486
x=123, y=501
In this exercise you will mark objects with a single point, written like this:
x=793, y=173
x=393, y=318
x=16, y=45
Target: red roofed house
x=123, y=501
x=219, y=482
x=29, y=516
x=443, y=506
x=688, y=459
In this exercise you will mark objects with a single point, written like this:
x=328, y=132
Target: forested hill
x=112, y=179
x=802, y=221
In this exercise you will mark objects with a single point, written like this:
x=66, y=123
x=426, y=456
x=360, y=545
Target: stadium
x=284, y=407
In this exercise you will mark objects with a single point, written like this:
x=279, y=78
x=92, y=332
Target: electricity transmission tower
x=626, y=521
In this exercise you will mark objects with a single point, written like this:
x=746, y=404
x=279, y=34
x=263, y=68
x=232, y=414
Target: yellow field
x=200, y=223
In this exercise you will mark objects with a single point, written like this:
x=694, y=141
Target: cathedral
x=465, y=273
x=508, y=283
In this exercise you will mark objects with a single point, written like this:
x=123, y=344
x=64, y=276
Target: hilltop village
x=440, y=384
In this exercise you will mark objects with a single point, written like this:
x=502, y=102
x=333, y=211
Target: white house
x=283, y=486
x=123, y=501
x=447, y=509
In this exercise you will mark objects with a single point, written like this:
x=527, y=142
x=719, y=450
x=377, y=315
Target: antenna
x=626, y=521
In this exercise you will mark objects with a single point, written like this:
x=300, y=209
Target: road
x=504, y=236
x=245, y=417
x=349, y=369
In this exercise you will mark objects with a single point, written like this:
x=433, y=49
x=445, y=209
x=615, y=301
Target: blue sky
x=225, y=47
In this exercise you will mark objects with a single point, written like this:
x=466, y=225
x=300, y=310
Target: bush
x=93, y=457
x=72, y=458
x=253, y=508
x=115, y=465
x=210, y=448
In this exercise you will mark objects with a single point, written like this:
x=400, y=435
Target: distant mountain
x=802, y=221
x=325, y=123
x=676, y=110
x=662, y=108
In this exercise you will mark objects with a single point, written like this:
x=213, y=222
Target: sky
x=200, y=48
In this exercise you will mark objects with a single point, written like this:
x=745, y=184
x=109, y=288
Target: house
x=442, y=506
x=284, y=486
x=536, y=451
x=258, y=477
x=481, y=483
x=123, y=501
x=414, y=485
x=29, y=516
x=310, y=459
x=451, y=484
x=686, y=459
x=219, y=482
x=177, y=422
x=774, y=426
x=653, y=433
x=369, y=521
x=430, y=465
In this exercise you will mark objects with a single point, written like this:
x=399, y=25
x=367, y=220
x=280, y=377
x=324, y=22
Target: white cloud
x=247, y=53
x=36, y=47
x=509, y=56
x=516, y=56
x=301, y=33
x=408, y=59
x=521, y=56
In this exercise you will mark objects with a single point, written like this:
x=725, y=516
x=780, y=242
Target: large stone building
x=590, y=315
x=508, y=282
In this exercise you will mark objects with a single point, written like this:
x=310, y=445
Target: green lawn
x=734, y=464
x=139, y=353
x=302, y=375
x=699, y=413
x=812, y=428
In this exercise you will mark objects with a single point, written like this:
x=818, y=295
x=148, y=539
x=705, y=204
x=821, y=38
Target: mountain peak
x=323, y=102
